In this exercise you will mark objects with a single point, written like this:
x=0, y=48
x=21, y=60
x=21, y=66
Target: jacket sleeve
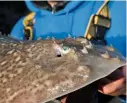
x=17, y=30
x=116, y=35
x=122, y=99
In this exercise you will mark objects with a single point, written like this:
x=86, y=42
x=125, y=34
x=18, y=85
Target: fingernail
x=100, y=88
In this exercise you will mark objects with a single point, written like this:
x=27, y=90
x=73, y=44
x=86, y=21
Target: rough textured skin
x=31, y=72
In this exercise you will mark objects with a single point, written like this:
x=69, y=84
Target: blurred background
x=10, y=13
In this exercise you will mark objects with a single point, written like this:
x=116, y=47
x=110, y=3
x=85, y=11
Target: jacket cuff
x=123, y=99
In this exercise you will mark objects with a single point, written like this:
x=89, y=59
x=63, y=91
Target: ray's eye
x=61, y=50
x=65, y=48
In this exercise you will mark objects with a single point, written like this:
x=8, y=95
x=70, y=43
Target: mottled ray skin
x=30, y=72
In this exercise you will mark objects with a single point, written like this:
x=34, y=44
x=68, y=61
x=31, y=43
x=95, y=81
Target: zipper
x=53, y=9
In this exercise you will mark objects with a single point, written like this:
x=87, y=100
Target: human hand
x=115, y=83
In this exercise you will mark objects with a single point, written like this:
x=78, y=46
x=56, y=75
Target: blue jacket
x=73, y=19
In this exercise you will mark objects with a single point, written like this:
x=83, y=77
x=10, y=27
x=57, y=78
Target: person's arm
x=17, y=31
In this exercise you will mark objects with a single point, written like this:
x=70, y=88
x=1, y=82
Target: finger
x=112, y=86
x=121, y=91
x=102, y=83
x=63, y=100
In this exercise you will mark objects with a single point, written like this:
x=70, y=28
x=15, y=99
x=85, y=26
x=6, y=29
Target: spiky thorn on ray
x=47, y=38
x=69, y=36
x=39, y=38
x=106, y=55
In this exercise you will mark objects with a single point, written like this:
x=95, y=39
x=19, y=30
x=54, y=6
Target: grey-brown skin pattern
x=31, y=72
